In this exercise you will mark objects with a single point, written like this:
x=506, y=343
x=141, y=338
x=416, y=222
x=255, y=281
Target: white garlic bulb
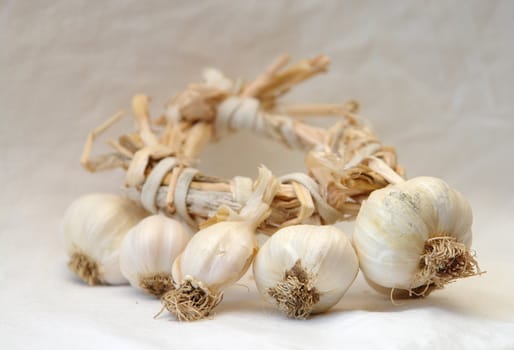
x=149, y=250
x=215, y=258
x=93, y=228
x=219, y=255
x=415, y=236
x=305, y=269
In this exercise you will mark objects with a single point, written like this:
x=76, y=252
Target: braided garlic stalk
x=345, y=163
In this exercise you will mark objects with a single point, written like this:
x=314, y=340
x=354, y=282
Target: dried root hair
x=157, y=284
x=86, y=268
x=295, y=295
x=443, y=261
x=190, y=301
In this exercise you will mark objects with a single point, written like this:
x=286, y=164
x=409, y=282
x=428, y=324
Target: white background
x=436, y=79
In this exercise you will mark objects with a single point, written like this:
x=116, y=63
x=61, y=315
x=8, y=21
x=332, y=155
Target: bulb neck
x=259, y=214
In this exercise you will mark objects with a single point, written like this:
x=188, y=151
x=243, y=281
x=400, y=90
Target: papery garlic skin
x=149, y=250
x=93, y=228
x=218, y=255
x=324, y=253
x=395, y=224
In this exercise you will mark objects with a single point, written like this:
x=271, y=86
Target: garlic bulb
x=219, y=255
x=215, y=258
x=305, y=269
x=93, y=228
x=416, y=236
x=148, y=251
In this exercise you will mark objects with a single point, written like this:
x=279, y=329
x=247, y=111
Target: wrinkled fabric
x=435, y=79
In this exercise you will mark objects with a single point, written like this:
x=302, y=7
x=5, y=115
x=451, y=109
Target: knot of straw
x=443, y=261
x=295, y=295
x=85, y=267
x=191, y=301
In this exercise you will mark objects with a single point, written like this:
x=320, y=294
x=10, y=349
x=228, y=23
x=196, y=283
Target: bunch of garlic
x=93, y=228
x=415, y=236
x=305, y=269
x=219, y=255
x=148, y=252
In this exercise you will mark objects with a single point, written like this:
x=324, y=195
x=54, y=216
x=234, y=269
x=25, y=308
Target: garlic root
x=157, y=284
x=295, y=294
x=443, y=261
x=85, y=268
x=191, y=301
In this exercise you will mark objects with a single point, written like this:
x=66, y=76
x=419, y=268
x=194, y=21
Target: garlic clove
x=148, y=252
x=93, y=228
x=305, y=269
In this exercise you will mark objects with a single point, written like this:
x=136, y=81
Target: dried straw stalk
x=345, y=163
